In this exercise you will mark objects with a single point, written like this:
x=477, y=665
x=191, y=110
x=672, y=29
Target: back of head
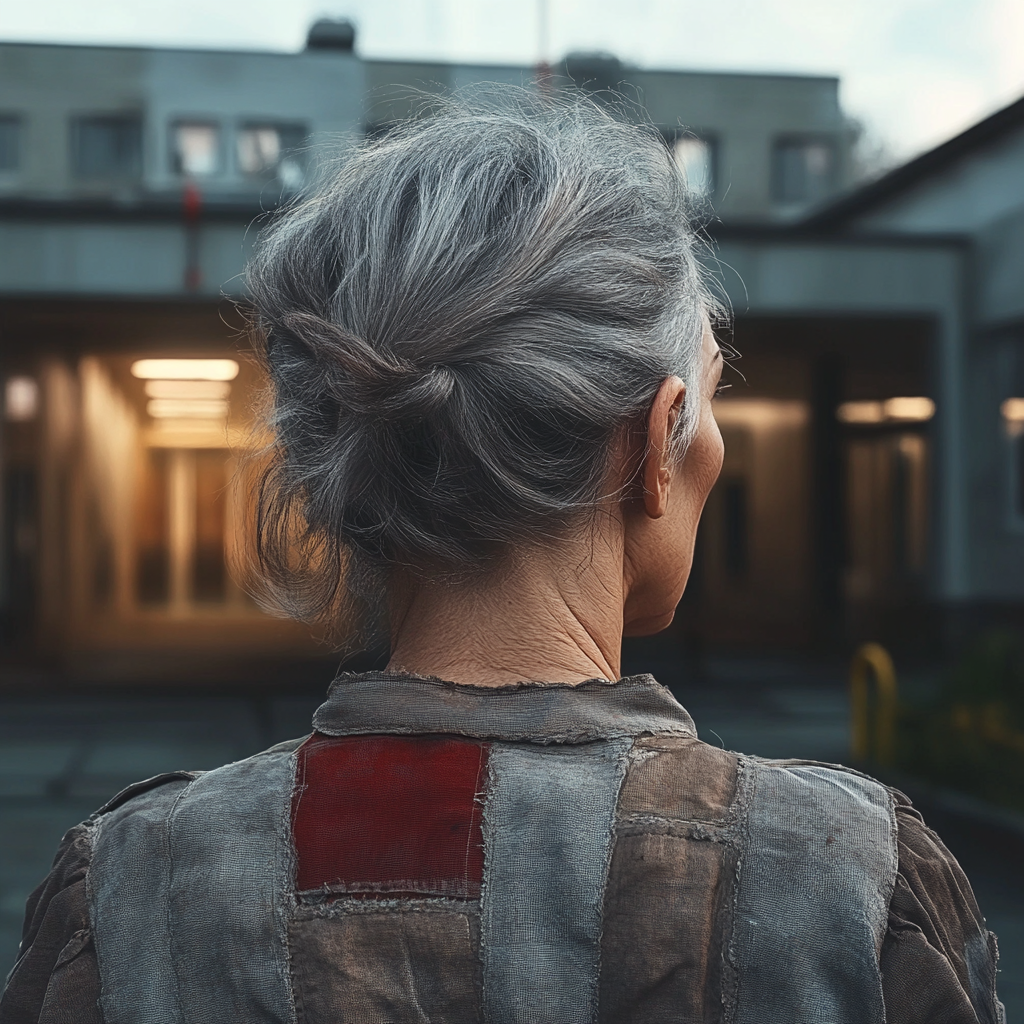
x=456, y=320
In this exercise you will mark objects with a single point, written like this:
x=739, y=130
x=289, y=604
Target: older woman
x=493, y=367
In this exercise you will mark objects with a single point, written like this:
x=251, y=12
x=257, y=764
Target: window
x=107, y=146
x=804, y=170
x=696, y=159
x=270, y=150
x=10, y=142
x=735, y=532
x=195, y=149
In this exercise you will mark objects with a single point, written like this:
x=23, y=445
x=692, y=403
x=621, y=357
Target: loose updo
x=455, y=321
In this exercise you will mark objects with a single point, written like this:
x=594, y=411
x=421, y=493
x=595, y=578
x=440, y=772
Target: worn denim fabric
x=711, y=891
x=128, y=885
x=816, y=875
x=547, y=844
x=191, y=892
x=523, y=712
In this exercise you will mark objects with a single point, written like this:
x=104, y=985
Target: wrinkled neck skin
x=557, y=612
x=555, y=615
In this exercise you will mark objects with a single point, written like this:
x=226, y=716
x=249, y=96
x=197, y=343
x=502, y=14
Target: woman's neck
x=555, y=617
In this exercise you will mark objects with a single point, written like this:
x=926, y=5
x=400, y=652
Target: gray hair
x=456, y=322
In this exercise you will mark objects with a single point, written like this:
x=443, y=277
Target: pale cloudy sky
x=914, y=71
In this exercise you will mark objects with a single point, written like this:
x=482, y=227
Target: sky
x=913, y=72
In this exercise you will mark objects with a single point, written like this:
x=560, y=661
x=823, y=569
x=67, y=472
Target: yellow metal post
x=873, y=659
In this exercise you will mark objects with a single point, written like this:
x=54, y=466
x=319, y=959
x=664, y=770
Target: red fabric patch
x=395, y=814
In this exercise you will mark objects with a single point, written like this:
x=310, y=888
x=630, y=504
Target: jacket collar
x=399, y=703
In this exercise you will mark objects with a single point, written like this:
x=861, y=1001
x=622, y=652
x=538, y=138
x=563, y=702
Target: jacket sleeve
x=56, y=978
x=938, y=959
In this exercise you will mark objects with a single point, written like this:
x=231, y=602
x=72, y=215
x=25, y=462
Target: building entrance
x=817, y=533
x=126, y=488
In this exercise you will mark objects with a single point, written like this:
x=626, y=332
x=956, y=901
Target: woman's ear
x=656, y=470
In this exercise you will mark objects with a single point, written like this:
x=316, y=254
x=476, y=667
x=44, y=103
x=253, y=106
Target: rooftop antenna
x=544, y=76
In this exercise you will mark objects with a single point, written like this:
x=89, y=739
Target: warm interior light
x=910, y=409
x=1013, y=410
x=215, y=389
x=917, y=409
x=861, y=412
x=21, y=399
x=178, y=408
x=185, y=369
x=187, y=426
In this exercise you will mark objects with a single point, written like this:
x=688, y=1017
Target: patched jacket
x=533, y=854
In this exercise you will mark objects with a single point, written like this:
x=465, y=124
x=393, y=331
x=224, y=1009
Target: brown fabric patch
x=73, y=994
x=386, y=964
x=938, y=960
x=679, y=777
x=55, y=912
x=919, y=984
x=662, y=947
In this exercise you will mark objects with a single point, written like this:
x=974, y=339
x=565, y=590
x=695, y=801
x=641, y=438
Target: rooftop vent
x=594, y=72
x=331, y=34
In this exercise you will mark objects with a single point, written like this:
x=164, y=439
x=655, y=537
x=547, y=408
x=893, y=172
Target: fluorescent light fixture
x=185, y=369
x=917, y=409
x=861, y=412
x=21, y=399
x=180, y=408
x=1013, y=410
x=216, y=389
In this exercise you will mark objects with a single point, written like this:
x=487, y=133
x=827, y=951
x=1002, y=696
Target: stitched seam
x=746, y=784
x=167, y=827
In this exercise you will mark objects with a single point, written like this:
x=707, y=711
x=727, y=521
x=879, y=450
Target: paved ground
x=62, y=758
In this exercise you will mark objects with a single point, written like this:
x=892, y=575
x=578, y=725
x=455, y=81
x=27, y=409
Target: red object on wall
x=191, y=202
x=390, y=814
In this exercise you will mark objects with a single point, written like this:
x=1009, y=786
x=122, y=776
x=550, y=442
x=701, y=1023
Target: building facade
x=859, y=488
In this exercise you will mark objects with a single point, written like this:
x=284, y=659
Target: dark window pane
x=19, y=549
x=152, y=528
x=208, y=569
x=10, y=143
x=107, y=147
x=736, y=533
x=803, y=170
x=1019, y=481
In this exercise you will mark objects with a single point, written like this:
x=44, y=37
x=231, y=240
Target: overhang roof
x=862, y=200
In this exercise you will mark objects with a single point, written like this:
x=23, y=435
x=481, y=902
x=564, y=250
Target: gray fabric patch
x=191, y=899
x=547, y=824
x=232, y=870
x=128, y=883
x=981, y=957
x=394, y=703
x=818, y=869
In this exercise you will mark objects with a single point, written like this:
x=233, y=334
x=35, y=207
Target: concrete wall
x=48, y=85
x=741, y=115
x=135, y=259
x=979, y=188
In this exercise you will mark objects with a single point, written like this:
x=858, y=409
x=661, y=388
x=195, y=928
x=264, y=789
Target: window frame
x=269, y=173
x=17, y=122
x=711, y=141
x=804, y=140
x=132, y=118
x=176, y=167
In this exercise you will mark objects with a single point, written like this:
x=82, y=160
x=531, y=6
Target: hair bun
x=374, y=383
